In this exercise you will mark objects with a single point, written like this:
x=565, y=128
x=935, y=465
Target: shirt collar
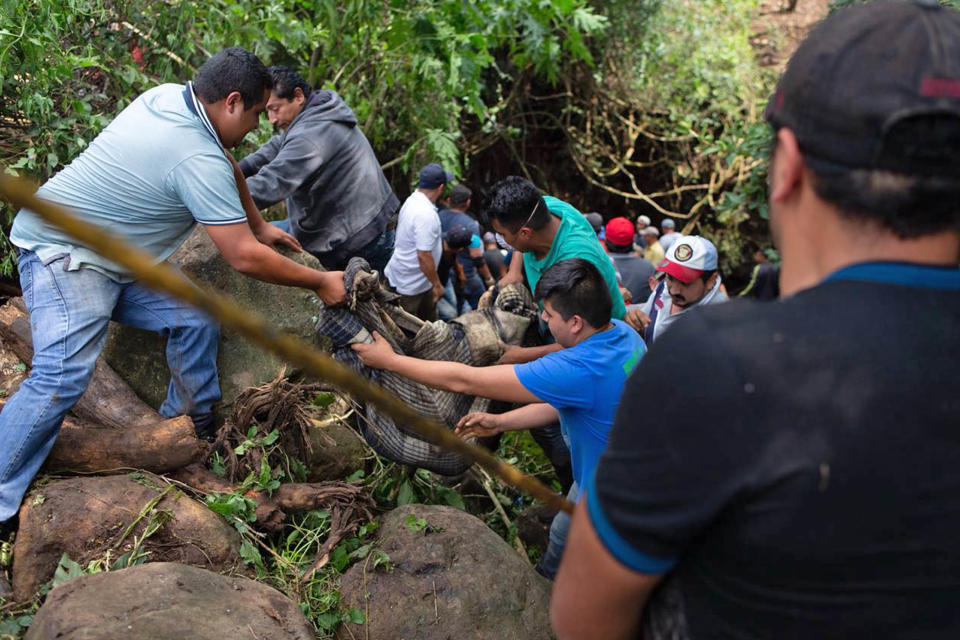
x=902, y=273
x=197, y=108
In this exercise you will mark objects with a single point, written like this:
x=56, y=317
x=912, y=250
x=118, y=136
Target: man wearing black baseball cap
x=801, y=478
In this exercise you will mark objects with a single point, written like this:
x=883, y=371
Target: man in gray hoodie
x=339, y=203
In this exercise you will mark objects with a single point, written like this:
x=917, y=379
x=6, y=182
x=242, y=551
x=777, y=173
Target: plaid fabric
x=471, y=339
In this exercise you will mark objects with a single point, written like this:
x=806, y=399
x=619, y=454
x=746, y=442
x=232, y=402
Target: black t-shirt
x=795, y=465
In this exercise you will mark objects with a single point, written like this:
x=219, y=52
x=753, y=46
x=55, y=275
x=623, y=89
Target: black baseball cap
x=433, y=175
x=876, y=86
x=458, y=236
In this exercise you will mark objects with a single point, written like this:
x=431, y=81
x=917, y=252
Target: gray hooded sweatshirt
x=338, y=199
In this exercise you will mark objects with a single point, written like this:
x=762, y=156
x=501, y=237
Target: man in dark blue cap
x=798, y=477
x=412, y=270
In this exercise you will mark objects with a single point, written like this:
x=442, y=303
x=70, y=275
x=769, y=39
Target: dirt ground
x=778, y=32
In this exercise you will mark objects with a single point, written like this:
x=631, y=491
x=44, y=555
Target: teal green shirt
x=575, y=239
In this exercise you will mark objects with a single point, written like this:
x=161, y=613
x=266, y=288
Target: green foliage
x=409, y=70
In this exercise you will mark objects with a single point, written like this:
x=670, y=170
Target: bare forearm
x=254, y=219
x=498, y=382
x=529, y=354
x=439, y=374
x=428, y=267
x=532, y=416
x=263, y=263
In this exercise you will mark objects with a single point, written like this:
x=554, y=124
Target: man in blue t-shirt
x=580, y=384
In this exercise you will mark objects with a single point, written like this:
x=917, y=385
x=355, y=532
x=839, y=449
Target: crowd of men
x=741, y=469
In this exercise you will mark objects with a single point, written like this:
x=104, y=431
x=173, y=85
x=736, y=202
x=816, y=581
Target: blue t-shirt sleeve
x=475, y=242
x=206, y=185
x=557, y=379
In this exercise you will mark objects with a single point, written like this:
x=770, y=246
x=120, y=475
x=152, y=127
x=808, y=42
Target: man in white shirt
x=412, y=270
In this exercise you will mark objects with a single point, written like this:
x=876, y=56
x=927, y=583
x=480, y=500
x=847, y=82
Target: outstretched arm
x=483, y=425
x=266, y=233
x=498, y=382
x=246, y=254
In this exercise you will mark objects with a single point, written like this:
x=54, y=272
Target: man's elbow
x=244, y=259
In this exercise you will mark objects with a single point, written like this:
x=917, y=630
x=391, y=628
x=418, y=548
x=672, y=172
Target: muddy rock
x=533, y=525
x=12, y=372
x=166, y=600
x=138, y=356
x=338, y=451
x=450, y=577
x=86, y=518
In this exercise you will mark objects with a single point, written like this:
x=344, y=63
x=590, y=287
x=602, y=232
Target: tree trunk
x=108, y=400
x=114, y=429
x=288, y=498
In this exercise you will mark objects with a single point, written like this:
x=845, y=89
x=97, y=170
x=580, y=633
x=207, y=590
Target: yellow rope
x=162, y=277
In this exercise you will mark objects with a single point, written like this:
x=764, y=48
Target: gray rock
x=87, y=517
x=167, y=600
x=338, y=451
x=138, y=356
x=451, y=577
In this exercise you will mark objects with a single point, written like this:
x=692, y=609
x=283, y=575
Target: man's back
x=824, y=498
x=147, y=176
x=418, y=229
x=635, y=272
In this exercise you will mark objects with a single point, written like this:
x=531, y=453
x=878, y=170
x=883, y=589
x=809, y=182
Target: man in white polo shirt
x=159, y=168
x=690, y=267
x=412, y=270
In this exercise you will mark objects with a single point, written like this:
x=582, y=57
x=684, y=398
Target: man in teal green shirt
x=545, y=230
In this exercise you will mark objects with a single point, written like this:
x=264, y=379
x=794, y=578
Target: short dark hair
x=233, y=69
x=460, y=194
x=619, y=248
x=286, y=81
x=909, y=206
x=575, y=287
x=512, y=200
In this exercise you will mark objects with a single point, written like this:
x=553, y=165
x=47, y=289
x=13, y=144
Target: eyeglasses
x=530, y=217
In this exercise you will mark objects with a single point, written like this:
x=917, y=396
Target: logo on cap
x=683, y=253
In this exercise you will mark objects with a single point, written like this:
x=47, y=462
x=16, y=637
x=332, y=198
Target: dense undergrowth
x=283, y=559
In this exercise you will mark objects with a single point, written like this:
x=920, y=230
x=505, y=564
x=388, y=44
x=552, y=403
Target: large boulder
x=86, y=518
x=165, y=600
x=138, y=356
x=450, y=577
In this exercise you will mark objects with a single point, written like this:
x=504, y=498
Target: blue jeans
x=550, y=560
x=447, y=307
x=69, y=314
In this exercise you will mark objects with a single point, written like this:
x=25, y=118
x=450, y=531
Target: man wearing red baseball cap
x=633, y=270
x=691, y=280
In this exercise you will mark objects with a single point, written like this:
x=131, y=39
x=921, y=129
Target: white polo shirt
x=418, y=229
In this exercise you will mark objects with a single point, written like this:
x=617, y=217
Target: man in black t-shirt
x=800, y=474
